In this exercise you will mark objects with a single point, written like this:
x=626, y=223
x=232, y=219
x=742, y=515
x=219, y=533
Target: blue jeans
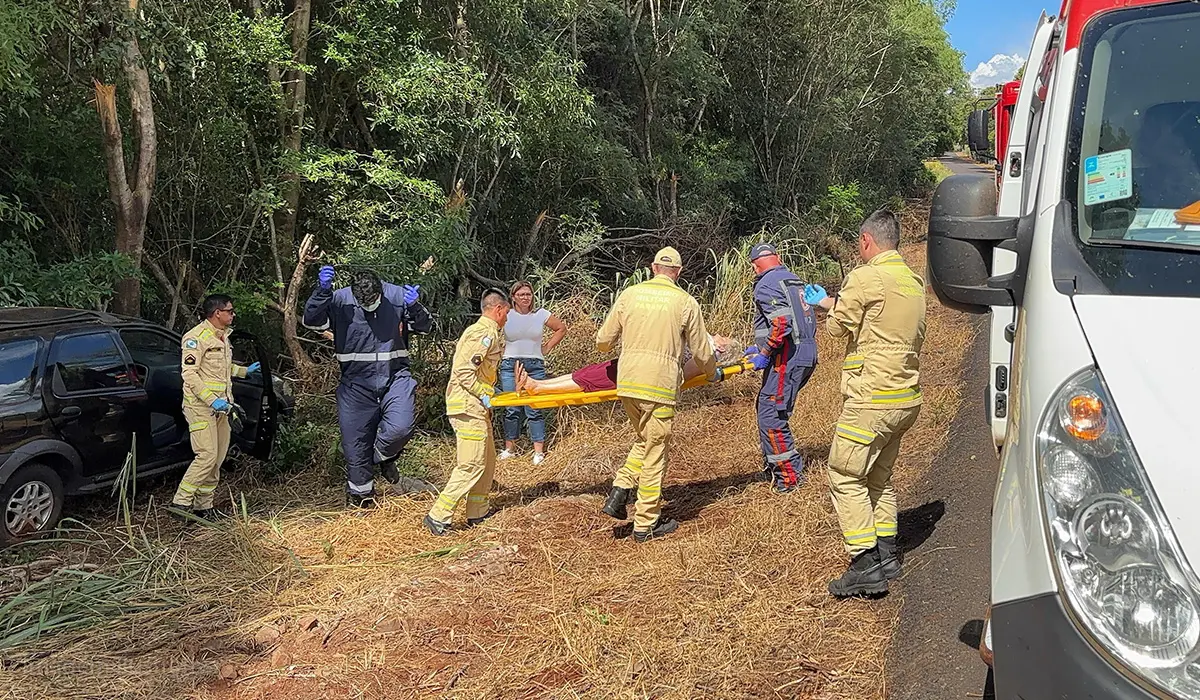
x=512, y=415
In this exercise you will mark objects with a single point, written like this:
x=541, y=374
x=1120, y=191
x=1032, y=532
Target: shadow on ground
x=916, y=525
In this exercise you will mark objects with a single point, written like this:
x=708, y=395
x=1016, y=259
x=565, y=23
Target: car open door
x=255, y=397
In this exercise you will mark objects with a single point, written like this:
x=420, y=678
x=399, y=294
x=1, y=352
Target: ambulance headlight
x=1119, y=565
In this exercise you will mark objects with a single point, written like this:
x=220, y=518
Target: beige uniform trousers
x=472, y=477
x=864, y=452
x=646, y=465
x=210, y=442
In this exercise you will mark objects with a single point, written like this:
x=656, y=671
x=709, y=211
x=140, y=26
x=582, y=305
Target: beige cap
x=669, y=257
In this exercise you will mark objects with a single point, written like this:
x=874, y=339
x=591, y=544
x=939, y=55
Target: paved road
x=945, y=527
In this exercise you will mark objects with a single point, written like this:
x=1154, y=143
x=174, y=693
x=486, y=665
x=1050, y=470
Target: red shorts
x=598, y=377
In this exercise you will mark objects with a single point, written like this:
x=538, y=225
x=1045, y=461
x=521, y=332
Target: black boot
x=618, y=498
x=472, y=522
x=889, y=557
x=389, y=471
x=662, y=528
x=436, y=527
x=210, y=514
x=364, y=502
x=863, y=577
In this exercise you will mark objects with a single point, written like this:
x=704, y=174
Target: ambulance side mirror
x=963, y=232
x=978, y=138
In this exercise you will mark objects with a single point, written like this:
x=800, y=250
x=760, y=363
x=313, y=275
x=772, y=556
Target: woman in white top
x=526, y=342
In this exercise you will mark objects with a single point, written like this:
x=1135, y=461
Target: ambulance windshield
x=1136, y=138
x=1133, y=167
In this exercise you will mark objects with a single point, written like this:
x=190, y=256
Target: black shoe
x=435, y=527
x=889, y=557
x=618, y=498
x=389, y=471
x=210, y=514
x=364, y=502
x=472, y=522
x=662, y=528
x=863, y=577
x=180, y=513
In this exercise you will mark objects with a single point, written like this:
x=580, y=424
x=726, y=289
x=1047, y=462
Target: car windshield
x=1134, y=166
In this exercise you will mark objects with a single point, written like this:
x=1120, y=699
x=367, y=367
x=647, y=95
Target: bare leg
x=557, y=385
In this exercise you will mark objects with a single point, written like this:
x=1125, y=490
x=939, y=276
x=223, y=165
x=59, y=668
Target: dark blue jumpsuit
x=375, y=397
x=785, y=331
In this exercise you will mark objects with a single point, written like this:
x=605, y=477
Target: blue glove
x=814, y=294
x=325, y=277
x=411, y=294
x=221, y=406
x=253, y=369
x=486, y=401
x=760, y=361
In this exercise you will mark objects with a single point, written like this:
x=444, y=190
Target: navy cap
x=762, y=250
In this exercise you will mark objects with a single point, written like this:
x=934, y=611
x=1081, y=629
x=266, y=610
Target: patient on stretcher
x=602, y=376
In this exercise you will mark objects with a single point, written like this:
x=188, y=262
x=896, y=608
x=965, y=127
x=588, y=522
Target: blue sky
x=992, y=32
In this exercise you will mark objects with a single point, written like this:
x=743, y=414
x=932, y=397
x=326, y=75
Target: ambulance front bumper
x=1039, y=653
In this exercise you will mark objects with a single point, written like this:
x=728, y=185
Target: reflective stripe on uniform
x=853, y=362
x=199, y=425
x=897, y=396
x=859, y=536
x=361, y=490
x=187, y=487
x=663, y=412
x=776, y=459
x=883, y=529
x=446, y=502
x=370, y=356
x=473, y=435
x=206, y=489
x=649, y=491
x=634, y=465
x=322, y=327
x=472, y=498
x=855, y=434
x=646, y=389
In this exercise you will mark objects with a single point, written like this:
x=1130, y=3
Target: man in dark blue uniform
x=786, y=347
x=371, y=322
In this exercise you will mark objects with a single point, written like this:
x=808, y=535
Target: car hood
x=1146, y=349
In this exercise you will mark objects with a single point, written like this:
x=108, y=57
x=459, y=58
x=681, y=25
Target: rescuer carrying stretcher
x=653, y=321
x=785, y=330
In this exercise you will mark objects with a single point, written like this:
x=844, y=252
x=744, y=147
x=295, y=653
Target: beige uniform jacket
x=207, y=366
x=880, y=310
x=473, y=373
x=654, y=321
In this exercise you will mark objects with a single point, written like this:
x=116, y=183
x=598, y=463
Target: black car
x=77, y=386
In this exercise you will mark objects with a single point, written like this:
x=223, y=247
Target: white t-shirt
x=523, y=333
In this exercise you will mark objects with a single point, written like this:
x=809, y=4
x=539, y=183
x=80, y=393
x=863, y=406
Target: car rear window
x=90, y=362
x=18, y=360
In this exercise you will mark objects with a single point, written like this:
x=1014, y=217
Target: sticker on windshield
x=1108, y=177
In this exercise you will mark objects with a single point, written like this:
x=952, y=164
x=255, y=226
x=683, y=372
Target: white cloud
x=1000, y=69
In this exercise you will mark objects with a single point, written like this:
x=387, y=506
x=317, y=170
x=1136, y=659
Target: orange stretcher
x=582, y=398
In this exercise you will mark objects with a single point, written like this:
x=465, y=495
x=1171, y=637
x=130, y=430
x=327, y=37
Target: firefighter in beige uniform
x=881, y=313
x=655, y=322
x=207, y=402
x=469, y=406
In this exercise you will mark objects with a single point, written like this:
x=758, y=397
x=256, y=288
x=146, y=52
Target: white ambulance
x=1088, y=259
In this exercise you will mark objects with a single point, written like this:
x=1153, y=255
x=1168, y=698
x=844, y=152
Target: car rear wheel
x=32, y=500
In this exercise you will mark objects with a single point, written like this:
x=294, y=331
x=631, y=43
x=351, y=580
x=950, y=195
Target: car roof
x=46, y=320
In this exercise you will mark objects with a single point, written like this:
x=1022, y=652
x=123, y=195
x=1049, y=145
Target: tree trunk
x=129, y=191
x=295, y=95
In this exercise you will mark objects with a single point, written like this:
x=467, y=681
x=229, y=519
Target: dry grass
x=549, y=599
